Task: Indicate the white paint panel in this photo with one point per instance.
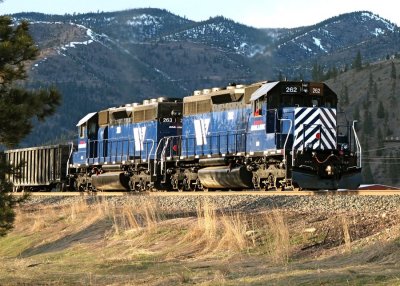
(139, 134)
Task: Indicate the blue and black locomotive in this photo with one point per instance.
(268, 135)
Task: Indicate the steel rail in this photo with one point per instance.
(220, 193)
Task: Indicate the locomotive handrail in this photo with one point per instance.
(359, 149)
(69, 158)
(214, 139)
(112, 142)
(294, 140)
(287, 135)
(163, 154)
(155, 155)
(151, 149)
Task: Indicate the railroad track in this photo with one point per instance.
(223, 193)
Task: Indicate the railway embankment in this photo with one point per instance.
(239, 202)
(222, 238)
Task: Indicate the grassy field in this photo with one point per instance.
(108, 244)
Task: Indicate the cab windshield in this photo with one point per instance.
(300, 101)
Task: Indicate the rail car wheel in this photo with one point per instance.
(270, 183)
(142, 185)
(137, 187)
(78, 187)
(197, 185)
(185, 187)
(131, 186)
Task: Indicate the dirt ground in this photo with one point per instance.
(116, 245)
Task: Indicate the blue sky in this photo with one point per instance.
(257, 13)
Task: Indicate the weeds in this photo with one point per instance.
(278, 240)
(346, 233)
(234, 236)
(133, 217)
(142, 242)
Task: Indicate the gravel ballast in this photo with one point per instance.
(190, 203)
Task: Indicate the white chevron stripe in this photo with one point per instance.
(323, 117)
(328, 118)
(331, 117)
(326, 134)
(330, 123)
(310, 114)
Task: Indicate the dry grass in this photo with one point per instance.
(109, 244)
(133, 217)
(216, 232)
(278, 239)
(234, 235)
(346, 233)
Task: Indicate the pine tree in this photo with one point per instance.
(317, 72)
(372, 86)
(356, 113)
(280, 76)
(393, 71)
(18, 106)
(345, 95)
(379, 151)
(381, 111)
(367, 174)
(367, 122)
(393, 169)
(375, 92)
(357, 63)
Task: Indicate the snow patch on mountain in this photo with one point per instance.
(220, 34)
(317, 42)
(145, 20)
(369, 16)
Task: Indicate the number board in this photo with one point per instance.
(291, 89)
(167, 120)
(316, 89)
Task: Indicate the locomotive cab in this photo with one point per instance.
(87, 132)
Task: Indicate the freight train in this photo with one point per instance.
(280, 135)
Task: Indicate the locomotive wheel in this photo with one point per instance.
(271, 183)
(142, 186)
(197, 185)
(185, 187)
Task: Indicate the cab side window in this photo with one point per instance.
(82, 130)
(257, 109)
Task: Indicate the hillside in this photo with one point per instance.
(372, 97)
(99, 60)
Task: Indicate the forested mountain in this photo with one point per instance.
(371, 95)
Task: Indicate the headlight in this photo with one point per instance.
(329, 170)
(345, 146)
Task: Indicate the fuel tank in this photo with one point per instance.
(225, 177)
(111, 181)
